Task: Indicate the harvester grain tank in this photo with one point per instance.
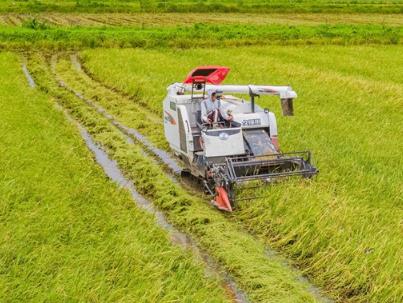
(223, 154)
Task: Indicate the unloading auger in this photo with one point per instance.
(224, 154)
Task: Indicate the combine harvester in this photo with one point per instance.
(225, 153)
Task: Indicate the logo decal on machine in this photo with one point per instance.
(223, 136)
(169, 118)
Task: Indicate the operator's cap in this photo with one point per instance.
(211, 91)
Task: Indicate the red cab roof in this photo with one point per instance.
(209, 74)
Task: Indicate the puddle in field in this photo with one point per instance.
(75, 62)
(30, 80)
(159, 153)
(112, 170)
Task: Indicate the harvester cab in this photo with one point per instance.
(224, 154)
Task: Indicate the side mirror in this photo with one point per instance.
(287, 107)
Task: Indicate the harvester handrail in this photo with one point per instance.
(283, 91)
(306, 153)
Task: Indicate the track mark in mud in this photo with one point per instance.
(85, 71)
(76, 63)
(112, 170)
(159, 153)
(30, 80)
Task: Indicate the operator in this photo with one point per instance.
(211, 110)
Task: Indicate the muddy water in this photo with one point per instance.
(30, 80)
(159, 153)
(76, 63)
(112, 170)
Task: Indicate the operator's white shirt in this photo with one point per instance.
(208, 106)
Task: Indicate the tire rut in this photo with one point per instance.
(87, 73)
(178, 238)
(125, 130)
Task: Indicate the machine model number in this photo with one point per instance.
(251, 122)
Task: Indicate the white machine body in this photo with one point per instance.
(235, 151)
(182, 120)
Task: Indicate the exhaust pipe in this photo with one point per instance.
(287, 107)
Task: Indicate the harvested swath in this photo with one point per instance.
(147, 19)
(13, 20)
(3, 20)
(222, 6)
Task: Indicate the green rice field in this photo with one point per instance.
(70, 233)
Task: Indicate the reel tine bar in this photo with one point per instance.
(248, 168)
